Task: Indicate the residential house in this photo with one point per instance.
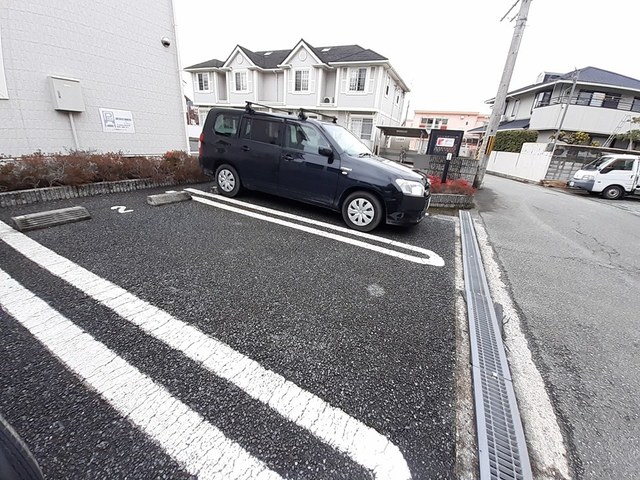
(602, 105)
(354, 84)
(80, 77)
(443, 120)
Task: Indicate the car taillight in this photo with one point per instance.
(201, 140)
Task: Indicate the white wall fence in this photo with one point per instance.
(531, 163)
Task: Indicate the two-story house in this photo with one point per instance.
(602, 105)
(354, 84)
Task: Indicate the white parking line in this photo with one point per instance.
(331, 425)
(187, 437)
(429, 257)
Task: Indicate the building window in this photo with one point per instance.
(301, 81)
(362, 127)
(358, 79)
(635, 106)
(202, 115)
(543, 99)
(241, 83)
(386, 90)
(435, 123)
(203, 83)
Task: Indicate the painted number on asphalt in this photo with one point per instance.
(121, 209)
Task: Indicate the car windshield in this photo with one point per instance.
(347, 141)
(596, 164)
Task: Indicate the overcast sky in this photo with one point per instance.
(451, 53)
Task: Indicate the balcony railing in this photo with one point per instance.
(606, 102)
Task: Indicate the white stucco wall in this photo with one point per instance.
(579, 118)
(531, 163)
(113, 48)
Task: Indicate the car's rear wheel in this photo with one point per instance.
(613, 192)
(227, 180)
(362, 211)
(16, 461)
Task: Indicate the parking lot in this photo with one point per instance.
(297, 349)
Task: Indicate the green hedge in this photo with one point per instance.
(512, 140)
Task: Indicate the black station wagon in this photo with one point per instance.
(311, 161)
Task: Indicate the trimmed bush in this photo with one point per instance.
(79, 168)
(512, 140)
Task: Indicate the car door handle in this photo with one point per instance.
(246, 148)
(287, 157)
(345, 170)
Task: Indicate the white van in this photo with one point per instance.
(612, 176)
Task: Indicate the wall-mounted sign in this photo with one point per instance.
(117, 120)
(445, 142)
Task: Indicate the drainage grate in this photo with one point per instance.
(50, 218)
(501, 443)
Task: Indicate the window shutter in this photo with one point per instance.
(343, 89)
(249, 81)
(312, 80)
(233, 81)
(292, 80)
(371, 79)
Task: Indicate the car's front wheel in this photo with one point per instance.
(362, 211)
(613, 192)
(227, 180)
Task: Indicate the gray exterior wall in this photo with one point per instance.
(113, 48)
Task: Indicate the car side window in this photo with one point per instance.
(304, 137)
(226, 124)
(263, 131)
(620, 164)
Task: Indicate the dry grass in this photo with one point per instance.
(554, 183)
(79, 168)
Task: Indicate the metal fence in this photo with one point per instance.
(460, 167)
(568, 159)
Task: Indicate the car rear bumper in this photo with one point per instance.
(407, 210)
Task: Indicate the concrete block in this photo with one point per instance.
(165, 198)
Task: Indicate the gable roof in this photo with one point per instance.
(330, 54)
(585, 75)
(604, 77)
(213, 63)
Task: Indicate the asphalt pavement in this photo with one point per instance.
(573, 267)
(366, 336)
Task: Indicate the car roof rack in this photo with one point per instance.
(302, 116)
(249, 108)
(301, 111)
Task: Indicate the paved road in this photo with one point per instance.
(355, 348)
(573, 265)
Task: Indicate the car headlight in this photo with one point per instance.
(410, 187)
(588, 177)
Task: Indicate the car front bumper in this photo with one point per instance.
(581, 184)
(407, 210)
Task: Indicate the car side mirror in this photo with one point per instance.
(327, 152)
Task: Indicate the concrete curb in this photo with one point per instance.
(38, 195)
(166, 198)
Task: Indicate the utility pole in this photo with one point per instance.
(499, 102)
